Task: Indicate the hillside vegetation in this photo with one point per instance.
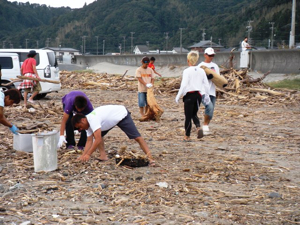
(156, 22)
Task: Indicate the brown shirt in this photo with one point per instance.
(146, 75)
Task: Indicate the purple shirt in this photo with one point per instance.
(68, 103)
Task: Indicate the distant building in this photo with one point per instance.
(202, 45)
(141, 49)
(63, 51)
(177, 50)
(64, 54)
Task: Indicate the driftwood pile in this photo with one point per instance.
(243, 88)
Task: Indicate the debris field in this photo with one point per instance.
(245, 172)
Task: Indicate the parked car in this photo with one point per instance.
(46, 66)
(9, 68)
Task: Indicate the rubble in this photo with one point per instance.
(245, 172)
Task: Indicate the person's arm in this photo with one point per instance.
(183, 84)
(141, 81)
(156, 72)
(35, 72)
(91, 146)
(63, 124)
(3, 120)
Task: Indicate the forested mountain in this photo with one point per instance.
(155, 22)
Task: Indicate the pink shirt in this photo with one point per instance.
(27, 65)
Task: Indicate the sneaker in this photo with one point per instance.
(31, 101)
(205, 129)
(70, 147)
(80, 147)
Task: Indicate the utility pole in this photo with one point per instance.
(83, 44)
(167, 37)
(97, 43)
(249, 27)
(210, 41)
(124, 40)
(47, 42)
(37, 44)
(103, 47)
(132, 33)
(26, 41)
(3, 45)
(272, 34)
(181, 39)
(292, 33)
(57, 39)
(220, 41)
(120, 47)
(203, 34)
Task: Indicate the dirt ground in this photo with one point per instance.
(245, 172)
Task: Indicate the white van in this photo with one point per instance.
(9, 68)
(46, 66)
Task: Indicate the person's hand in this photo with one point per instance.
(14, 129)
(61, 141)
(84, 158)
(149, 85)
(206, 99)
(177, 99)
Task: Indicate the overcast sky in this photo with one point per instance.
(58, 3)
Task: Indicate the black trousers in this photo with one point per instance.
(70, 134)
(192, 102)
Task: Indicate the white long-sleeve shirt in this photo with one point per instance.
(193, 79)
(215, 67)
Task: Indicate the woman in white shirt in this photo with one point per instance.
(194, 84)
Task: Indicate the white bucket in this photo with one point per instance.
(45, 150)
(22, 142)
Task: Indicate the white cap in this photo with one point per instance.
(209, 51)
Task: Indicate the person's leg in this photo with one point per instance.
(82, 139)
(70, 132)
(36, 89)
(208, 114)
(142, 101)
(188, 112)
(145, 148)
(25, 97)
(102, 156)
(128, 127)
(197, 102)
(33, 95)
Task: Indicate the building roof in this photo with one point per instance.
(205, 44)
(177, 49)
(142, 48)
(57, 49)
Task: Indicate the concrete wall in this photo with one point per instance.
(277, 61)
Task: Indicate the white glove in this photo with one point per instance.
(149, 85)
(206, 99)
(61, 141)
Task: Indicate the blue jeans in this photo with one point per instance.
(209, 109)
(142, 99)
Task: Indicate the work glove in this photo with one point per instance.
(61, 141)
(14, 129)
(149, 85)
(206, 99)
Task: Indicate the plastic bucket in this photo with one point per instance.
(45, 150)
